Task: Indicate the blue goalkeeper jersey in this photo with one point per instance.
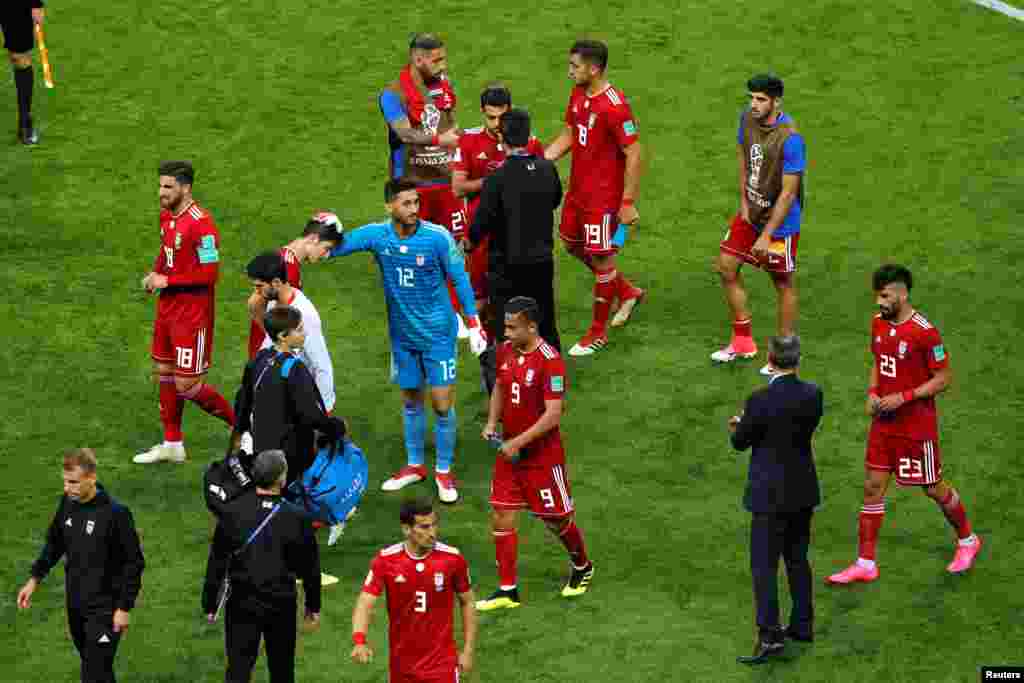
(415, 271)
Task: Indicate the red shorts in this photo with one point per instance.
(185, 344)
(593, 228)
(541, 486)
(452, 677)
(438, 205)
(914, 462)
(740, 238)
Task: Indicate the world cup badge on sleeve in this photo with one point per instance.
(438, 581)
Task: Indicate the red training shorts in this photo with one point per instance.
(541, 486)
(185, 344)
(739, 240)
(593, 228)
(452, 677)
(914, 462)
(439, 205)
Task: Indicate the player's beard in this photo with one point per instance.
(889, 314)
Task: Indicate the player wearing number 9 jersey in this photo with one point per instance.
(416, 259)
(911, 368)
(529, 471)
(421, 578)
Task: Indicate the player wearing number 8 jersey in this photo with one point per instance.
(416, 260)
(185, 276)
(529, 471)
(911, 368)
(422, 578)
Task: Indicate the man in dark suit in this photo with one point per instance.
(781, 493)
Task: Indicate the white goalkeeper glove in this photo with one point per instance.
(477, 336)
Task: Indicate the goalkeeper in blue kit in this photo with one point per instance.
(416, 260)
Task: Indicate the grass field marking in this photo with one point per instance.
(1002, 8)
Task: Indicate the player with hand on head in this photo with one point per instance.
(419, 109)
(416, 260)
(184, 276)
(911, 368)
(18, 19)
(607, 160)
(322, 233)
(765, 232)
(529, 471)
(422, 577)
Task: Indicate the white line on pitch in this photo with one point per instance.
(1002, 8)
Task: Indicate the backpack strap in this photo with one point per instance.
(287, 365)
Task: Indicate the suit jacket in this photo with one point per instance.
(778, 423)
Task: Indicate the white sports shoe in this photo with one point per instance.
(463, 330)
(447, 489)
(160, 452)
(729, 354)
(337, 531)
(245, 443)
(410, 474)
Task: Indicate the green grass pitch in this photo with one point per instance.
(911, 113)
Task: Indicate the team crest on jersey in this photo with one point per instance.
(67, 522)
(431, 119)
(399, 579)
(438, 581)
(902, 350)
(177, 241)
(89, 526)
(403, 249)
(420, 259)
(892, 333)
(529, 376)
(593, 120)
(521, 360)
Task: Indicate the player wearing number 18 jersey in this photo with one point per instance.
(911, 368)
(185, 276)
(422, 579)
(529, 471)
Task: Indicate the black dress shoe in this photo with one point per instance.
(763, 651)
(28, 136)
(798, 635)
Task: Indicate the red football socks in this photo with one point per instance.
(506, 551)
(171, 407)
(625, 289)
(742, 328)
(955, 514)
(572, 539)
(869, 524)
(604, 291)
(580, 253)
(210, 400)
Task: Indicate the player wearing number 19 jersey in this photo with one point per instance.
(529, 471)
(911, 368)
(422, 578)
(185, 275)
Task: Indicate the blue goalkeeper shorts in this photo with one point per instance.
(412, 368)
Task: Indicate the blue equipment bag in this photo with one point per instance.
(333, 484)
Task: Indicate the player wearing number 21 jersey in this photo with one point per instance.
(529, 471)
(422, 579)
(911, 368)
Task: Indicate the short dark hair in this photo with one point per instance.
(785, 351)
(496, 95)
(181, 170)
(80, 457)
(267, 467)
(327, 231)
(281, 320)
(266, 267)
(524, 305)
(425, 41)
(769, 84)
(890, 273)
(591, 51)
(515, 127)
(395, 187)
(413, 508)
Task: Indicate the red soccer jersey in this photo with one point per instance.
(602, 127)
(189, 257)
(906, 356)
(527, 380)
(421, 597)
(479, 155)
(292, 268)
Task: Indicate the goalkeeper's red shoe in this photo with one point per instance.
(964, 558)
(410, 474)
(853, 574)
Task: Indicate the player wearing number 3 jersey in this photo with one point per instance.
(416, 260)
(911, 368)
(422, 578)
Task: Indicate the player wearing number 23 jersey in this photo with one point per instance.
(911, 368)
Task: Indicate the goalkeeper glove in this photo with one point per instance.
(477, 336)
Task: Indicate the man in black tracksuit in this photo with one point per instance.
(517, 205)
(17, 22)
(262, 566)
(278, 402)
(103, 570)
